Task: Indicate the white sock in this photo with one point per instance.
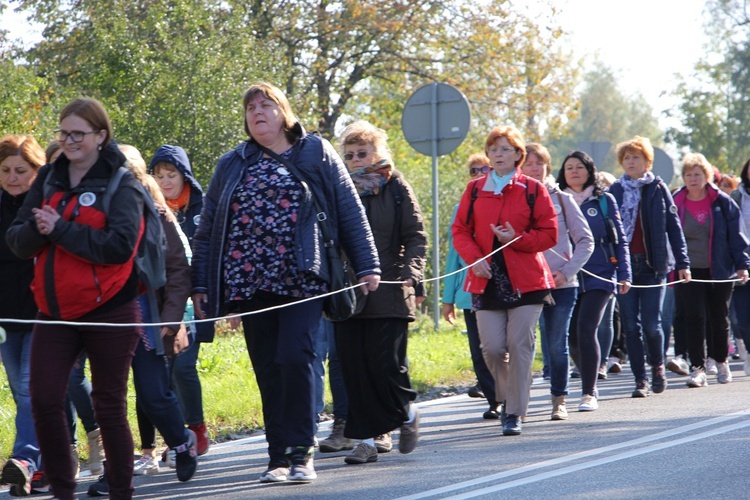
(412, 415)
(370, 441)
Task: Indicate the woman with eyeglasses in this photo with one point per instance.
(574, 246)
(372, 344)
(509, 288)
(79, 247)
(455, 296)
(259, 245)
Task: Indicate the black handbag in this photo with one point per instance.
(343, 305)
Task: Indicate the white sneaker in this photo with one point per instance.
(747, 366)
(724, 375)
(588, 403)
(742, 349)
(678, 365)
(697, 378)
(145, 466)
(613, 365)
(711, 368)
(169, 458)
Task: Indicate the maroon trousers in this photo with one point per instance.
(54, 349)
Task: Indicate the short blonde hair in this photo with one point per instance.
(514, 137)
(637, 144)
(605, 178)
(697, 160)
(362, 132)
(479, 158)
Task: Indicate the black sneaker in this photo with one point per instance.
(476, 392)
(101, 487)
(17, 473)
(186, 457)
(512, 426)
(658, 380)
(641, 389)
(303, 469)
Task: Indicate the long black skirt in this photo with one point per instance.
(373, 360)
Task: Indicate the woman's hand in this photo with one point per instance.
(234, 321)
(742, 275)
(371, 282)
(199, 299)
(684, 275)
(559, 278)
(45, 218)
(181, 340)
(482, 269)
(449, 313)
(504, 233)
(623, 287)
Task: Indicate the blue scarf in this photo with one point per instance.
(499, 181)
(631, 198)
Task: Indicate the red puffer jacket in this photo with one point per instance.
(473, 238)
(88, 258)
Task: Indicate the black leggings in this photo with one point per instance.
(584, 324)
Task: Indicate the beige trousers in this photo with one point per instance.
(507, 338)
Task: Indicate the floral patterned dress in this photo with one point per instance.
(259, 253)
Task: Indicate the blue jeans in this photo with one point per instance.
(154, 395)
(554, 326)
(187, 385)
(16, 353)
(319, 366)
(79, 396)
(640, 313)
(667, 313)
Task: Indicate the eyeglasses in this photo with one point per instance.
(478, 170)
(75, 135)
(505, 149)
(360, 154)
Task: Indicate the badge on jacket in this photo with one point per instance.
(87, 199)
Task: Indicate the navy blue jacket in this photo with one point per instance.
(728, 246)
(325, 176)
(661, 227)
(600, 262)
(179, 158)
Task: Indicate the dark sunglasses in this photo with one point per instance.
(478, 170)
(360, 154)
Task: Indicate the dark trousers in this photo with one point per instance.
(484, 376)
(678, 325)
(281, 348)
(54, 350)
(376, 373)
(155, 399)
(704, 308)
(587, 315)
(79, 400)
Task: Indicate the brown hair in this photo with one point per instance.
(93, 112)
(24, 146)
(637, 144)
(514, 137)
(52, 148)
(534, 148)
(166, 166)
(274, 94)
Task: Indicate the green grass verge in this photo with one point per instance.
(437, 360)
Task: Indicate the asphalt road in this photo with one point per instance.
(684, 443)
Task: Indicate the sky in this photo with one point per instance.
(644, 41)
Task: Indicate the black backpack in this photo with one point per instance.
(149, 261)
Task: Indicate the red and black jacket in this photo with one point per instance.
(86, 262)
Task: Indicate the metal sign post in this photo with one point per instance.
(435, 122)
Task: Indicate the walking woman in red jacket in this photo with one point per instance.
(510, 288)
(84, 272)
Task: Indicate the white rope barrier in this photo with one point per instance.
(328, 294)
